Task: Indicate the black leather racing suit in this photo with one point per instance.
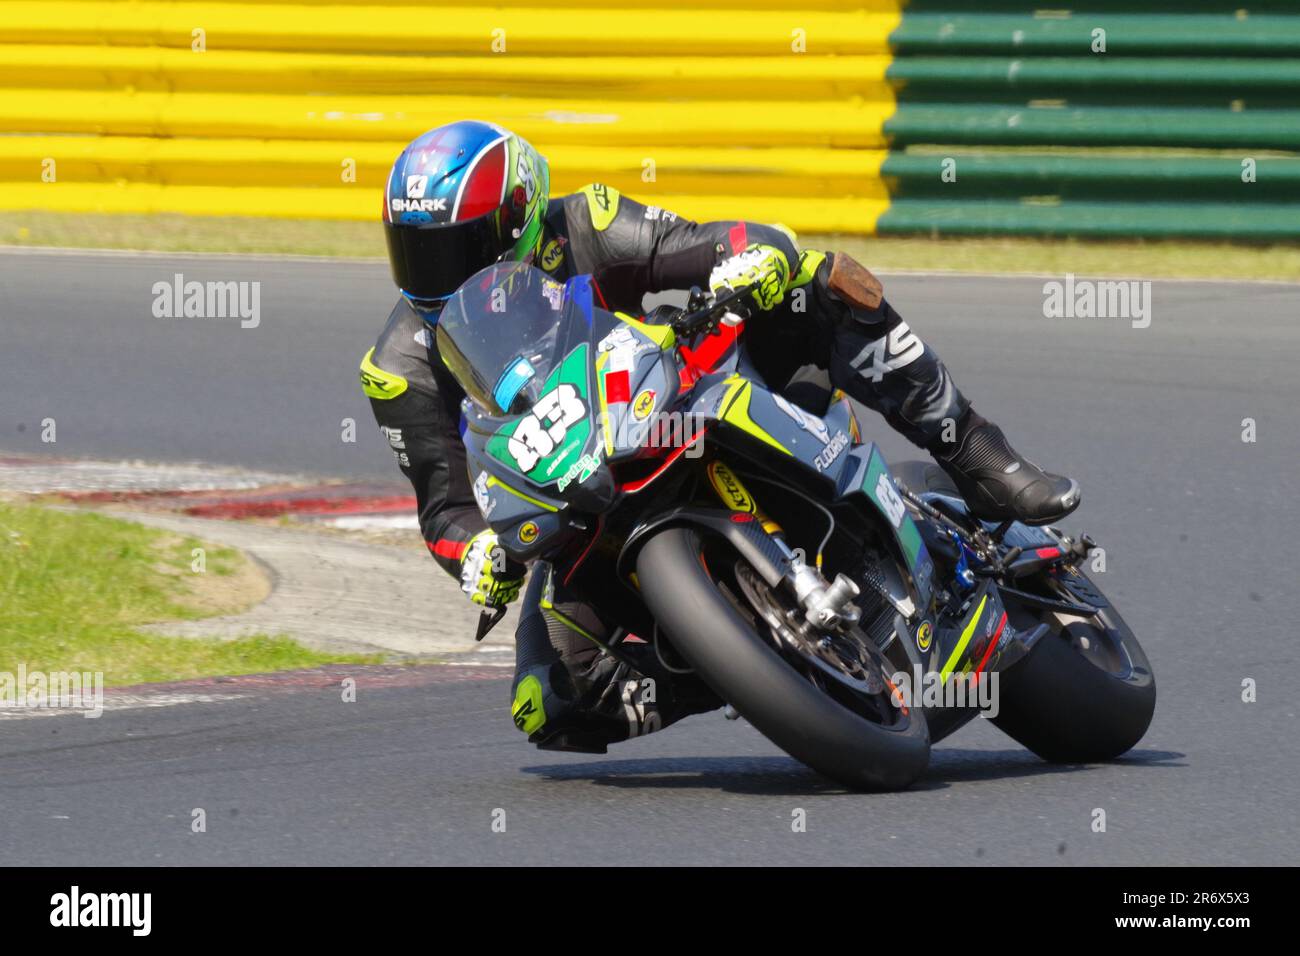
(833, 316)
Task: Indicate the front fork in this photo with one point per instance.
(827, 605)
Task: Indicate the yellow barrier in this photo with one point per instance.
(328, 164)
(701, 78)
(850, 215)
(298, 110)
(389, 118)
(555, 31)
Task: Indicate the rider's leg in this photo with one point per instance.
(568, 694)
(879, 361)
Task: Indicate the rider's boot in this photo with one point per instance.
(569, 695)
(998, 482)
(881, 362)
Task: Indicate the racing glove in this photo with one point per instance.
(762, 268)
(487, 574)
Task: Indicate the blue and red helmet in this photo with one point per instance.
(459, 198)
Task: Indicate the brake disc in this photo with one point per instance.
(844, 658)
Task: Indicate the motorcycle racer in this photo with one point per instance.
(468, 194)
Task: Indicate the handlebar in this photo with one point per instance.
(704, 310)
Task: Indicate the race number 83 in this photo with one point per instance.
(542, 429)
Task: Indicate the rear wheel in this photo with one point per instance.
(1086, 691)
(828, 703)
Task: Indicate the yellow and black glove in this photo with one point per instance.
(762, 268)
(487, 574)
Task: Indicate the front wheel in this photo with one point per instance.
(840, 720)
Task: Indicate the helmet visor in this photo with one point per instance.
(432, 263)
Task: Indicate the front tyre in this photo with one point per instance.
(742, 667)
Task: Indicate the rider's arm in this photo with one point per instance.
(420, 417)
(633, 249)
(425, 441)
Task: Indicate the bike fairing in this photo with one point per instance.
(978, 638)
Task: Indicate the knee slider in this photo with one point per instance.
(852, 283)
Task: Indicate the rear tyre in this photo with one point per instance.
(741, 666)
(1085, 692)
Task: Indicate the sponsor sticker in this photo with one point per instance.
(644, 405)
(528, 532)
(552, 255)
(580, 470)
(419, 205)
(924, 636)
(805, 420)
(729, 488)
(826, 457)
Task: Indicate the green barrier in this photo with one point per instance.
(1095, 220)
(1097, 126)
(1016, 76)
(1125, 34)
(1098, 80)
(965, 176)
(1249, 8)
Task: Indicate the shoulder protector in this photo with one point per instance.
(602, 203)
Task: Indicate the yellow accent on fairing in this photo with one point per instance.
(550, 609)
(661, 335)
(960, 649)
(734, 410)
(604, 403)
(602, 203)
(495, 482)
(377, 383)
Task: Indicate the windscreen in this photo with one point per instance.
(503, 332)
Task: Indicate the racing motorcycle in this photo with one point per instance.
(735, 544)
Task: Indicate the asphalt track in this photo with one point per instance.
(1199, 529)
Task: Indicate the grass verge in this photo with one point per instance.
(1156, 259)
(74, 587)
